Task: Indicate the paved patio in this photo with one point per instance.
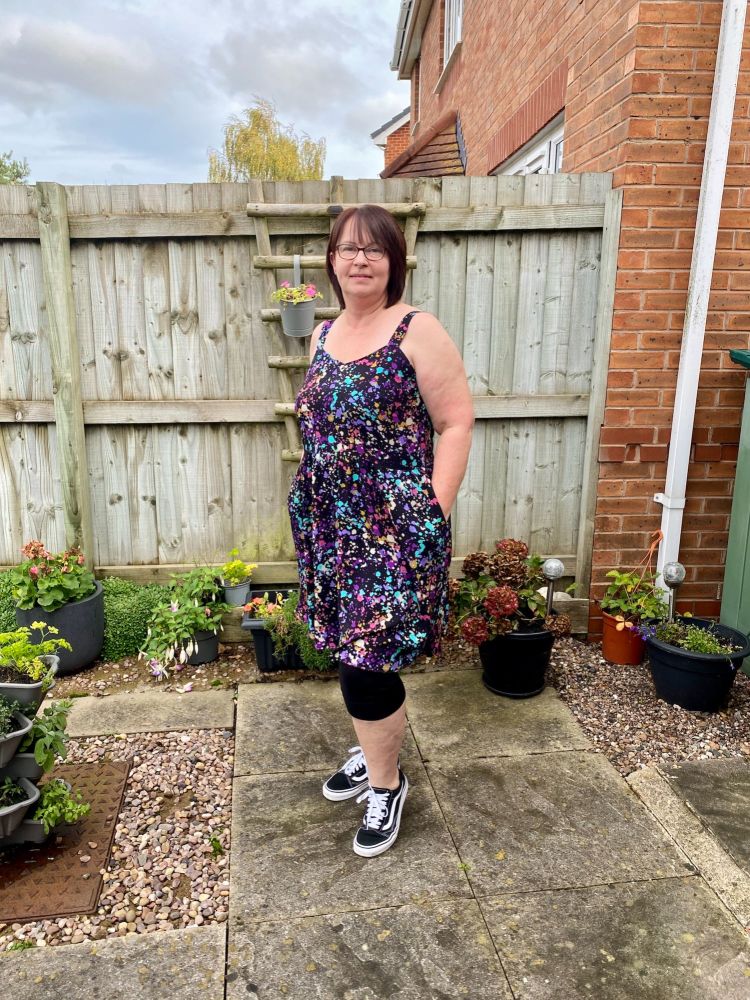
(526, 866)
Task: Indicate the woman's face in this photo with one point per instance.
(360, 279)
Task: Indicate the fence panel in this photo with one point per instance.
(184, 435)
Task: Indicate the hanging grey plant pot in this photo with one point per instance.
(298, 318)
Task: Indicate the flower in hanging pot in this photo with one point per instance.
(297, 305)
(296, 294)
(499, 594)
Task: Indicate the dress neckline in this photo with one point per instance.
(392, 341)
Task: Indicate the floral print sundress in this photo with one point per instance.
(373, 546)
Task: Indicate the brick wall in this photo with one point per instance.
(396, 143)
(656, 155)
(637, 99)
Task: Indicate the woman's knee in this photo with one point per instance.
(371, 695)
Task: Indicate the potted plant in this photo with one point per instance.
(497, 607)
(297, 305)
(58, 803)
(184, 629)
(17, 796)
(235, 579)
(61, 591)
(282, 641)
(45, 741)
(28, 665)
(631, 598)
(13, 727)
(694, 661)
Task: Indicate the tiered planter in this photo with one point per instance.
(17, 825)
(30, 696)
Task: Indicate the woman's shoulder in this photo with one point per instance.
(426, 338)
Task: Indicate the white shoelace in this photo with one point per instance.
(356, 762)
(377, 808)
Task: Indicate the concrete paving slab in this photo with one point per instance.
(718, 791)
(664, 940)
(153, 712)
(549, 821)
(730, 882)
(186, 964)
(432, 951)
(453, 714)
(295, 727)
(292, 851)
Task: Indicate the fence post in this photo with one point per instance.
(54, 238)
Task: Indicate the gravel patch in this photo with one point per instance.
(618, 709)
(164, 871)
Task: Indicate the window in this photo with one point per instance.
(453, 14)
(543, 154)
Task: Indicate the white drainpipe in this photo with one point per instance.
(704, 246)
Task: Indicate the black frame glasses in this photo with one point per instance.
(372, 252)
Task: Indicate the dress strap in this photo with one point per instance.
(401, 330)
(327, 324)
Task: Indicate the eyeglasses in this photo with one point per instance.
(349, 251)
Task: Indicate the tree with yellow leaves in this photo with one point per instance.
(258, 146)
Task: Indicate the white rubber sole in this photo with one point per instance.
(371, 852)
(341, 796)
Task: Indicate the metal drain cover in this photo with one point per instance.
(41, 881)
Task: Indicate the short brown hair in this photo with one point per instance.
(379, 226)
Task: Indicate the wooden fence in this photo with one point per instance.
(145, 392)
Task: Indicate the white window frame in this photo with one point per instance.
(453, 22)
(542, 154)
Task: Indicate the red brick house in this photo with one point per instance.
(623, 87)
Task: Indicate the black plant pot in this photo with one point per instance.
(515, 663)
(80, 622)
(206, 648)
(698, 682)
(268, 662)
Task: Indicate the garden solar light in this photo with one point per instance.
(673, 575)
(552, 569)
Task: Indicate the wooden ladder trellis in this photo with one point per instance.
(268, 263)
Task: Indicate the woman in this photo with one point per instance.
(370, 503)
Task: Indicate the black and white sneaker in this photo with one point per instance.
(382, 818)
(349, 780)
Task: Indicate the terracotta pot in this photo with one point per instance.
(624, 647)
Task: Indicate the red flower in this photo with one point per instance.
(475, 630)
(501, 601)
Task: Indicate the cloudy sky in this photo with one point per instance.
(135, 91)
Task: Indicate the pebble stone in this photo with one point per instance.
(162, 871)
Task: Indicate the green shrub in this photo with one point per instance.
(127, 609)
(7, 604)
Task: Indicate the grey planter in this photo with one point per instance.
(80, 622)
(29, 831)
(29, 695)
(298, 318)
(207, 648)
(9, 744)
(22, 765)
(12, 816)
(236, 594)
